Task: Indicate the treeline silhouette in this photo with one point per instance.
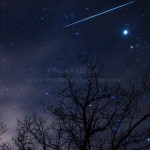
(90, 116)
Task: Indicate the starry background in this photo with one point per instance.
(35, 47)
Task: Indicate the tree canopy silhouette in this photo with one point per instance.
(91, 115)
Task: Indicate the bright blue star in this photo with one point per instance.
(148, 139)
(125, 32)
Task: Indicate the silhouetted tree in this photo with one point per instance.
(24, 140)
(2, 129)
(3, 145)
(42, 132)
(92, 115)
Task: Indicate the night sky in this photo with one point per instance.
(35, 48)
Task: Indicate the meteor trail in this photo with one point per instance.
(104, 12)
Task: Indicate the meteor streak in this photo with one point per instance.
(104, 12)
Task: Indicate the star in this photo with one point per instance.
(148, 139)
(113, 97)
(77, 33)
(131, 48)
(125, 32)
